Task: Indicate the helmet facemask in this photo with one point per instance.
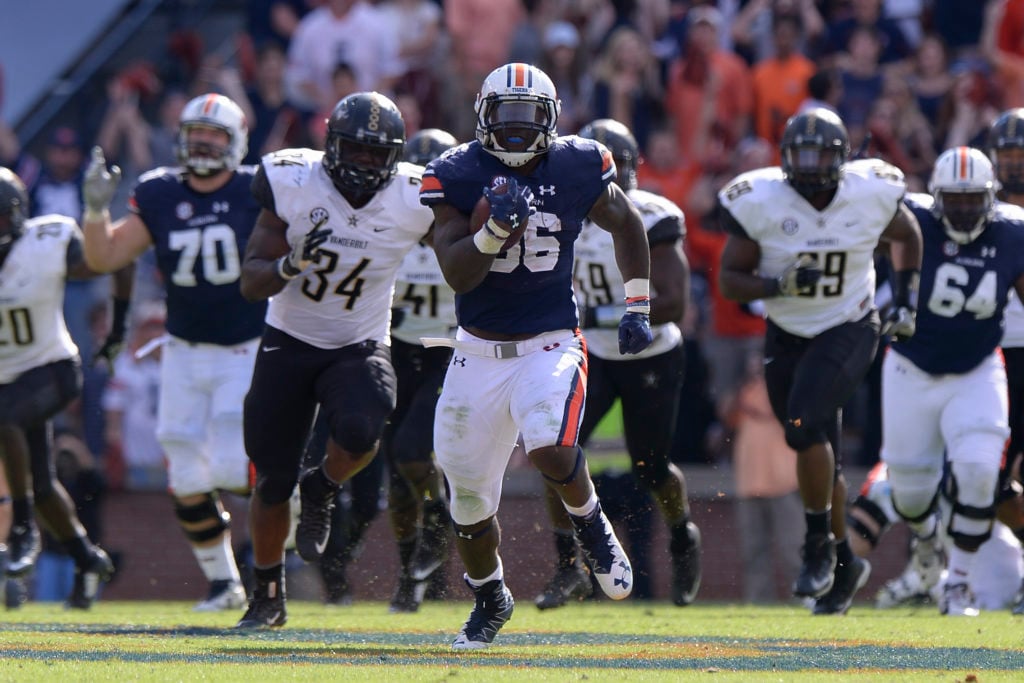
(203, 157)
(516, 114)
(359, 167)
(811, 167)
(964, 213)
(211, 154)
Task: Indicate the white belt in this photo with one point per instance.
(496, 349)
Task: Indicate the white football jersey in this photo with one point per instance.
(597, 280)
(32, 328)
(345, 297)
(425, 297)
(841, 238)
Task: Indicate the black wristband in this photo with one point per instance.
(119, 322)
(905, 285)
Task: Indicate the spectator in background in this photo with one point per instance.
(897, 120)
(862, 81)
(626, 85)
(664, 171)
(768, 506)
(968, 108)
(343, 83)
(960, 24)
(566, 64)
(274, 123)
(418, 27)
(163, 137)
(275, 21)
(1003, 46)
(754, 27)
(480, 35)
(131, 403)
(736, 333)
(780, 82)
(341, 31)
(867, 14)
(929, 77)
(705, 72)
(824, 90)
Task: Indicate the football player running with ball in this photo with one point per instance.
(519, 363)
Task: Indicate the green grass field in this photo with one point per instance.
(598, 641)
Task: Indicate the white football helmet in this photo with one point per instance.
(213, 111)
(964, 186)
(516, 113)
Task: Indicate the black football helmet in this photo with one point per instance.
(13, 209)
(621, 143)
(427, 145)
(1006, 147)
(814, 147)
(365, 139)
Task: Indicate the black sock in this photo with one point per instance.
(80, 549)
(679, 536)
(844, 554)
(818, 523)
(21, 511)
(269, 580)
(405, 550)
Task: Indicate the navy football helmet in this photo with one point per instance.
(13, 209)
(1006, 145)
(427, 145)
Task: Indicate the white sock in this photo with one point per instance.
(960, 564)
(584, 509)
(218, 561)
(493, 576)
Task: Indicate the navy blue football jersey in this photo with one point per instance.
(529, 288)
(964, 290)
(200, 240)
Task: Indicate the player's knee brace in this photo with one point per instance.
(971, 488)
(572, 475)
(356, 433)
(868, 519)
(204, 511)
(275, 488)
(802, 433)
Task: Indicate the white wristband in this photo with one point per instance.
(638, 287)
(486, 242)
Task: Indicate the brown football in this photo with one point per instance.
(482, 211)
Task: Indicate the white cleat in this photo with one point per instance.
(223, 596)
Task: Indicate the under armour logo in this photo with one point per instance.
(461, 362)
(988, 252)
(513, 219)
(546, 189)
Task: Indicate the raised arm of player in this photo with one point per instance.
(108, 247)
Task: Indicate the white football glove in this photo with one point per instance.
(99, 184)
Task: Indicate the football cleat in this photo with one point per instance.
(848, 580)
(604, 554)
(569, 583)
(23, 546)
(494, 605)
(957, 600)
(817, 572)
(686, 571)
(15, 592)
(317, 495)
(408, 595)
(224, 594)
(266, 608)
(100, 569)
